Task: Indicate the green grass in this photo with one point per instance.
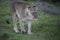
(47, 27)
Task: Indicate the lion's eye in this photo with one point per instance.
(34, 6)
(29, 7)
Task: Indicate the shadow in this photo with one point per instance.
(4, 36)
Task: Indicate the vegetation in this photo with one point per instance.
(47, 27)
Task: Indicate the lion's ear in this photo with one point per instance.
(32, 3)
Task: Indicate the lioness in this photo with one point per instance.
(23, 12)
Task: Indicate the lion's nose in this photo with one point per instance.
(35, 14)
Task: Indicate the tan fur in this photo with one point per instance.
(21, 12)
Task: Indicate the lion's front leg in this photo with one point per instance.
(15, 23)
(22, 26)
(29, 27)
